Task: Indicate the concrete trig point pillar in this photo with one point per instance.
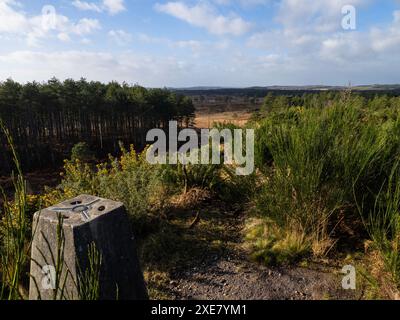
(87, 220)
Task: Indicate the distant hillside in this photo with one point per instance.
(393, 89)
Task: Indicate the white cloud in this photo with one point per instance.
(299, 16)
(376, 44)
(396, 16)
(111, 6)
(86, 6)
(86, 41)
(345, 48)
(243, 3)
(205, 16)
(86, 26)
(312, 29)
(232, 67)
(317, 50)
(15, 22)
(120, 37)
(26, 66)
(11, 20)
(64, 37)
(199, 49)
(192, 44)
(114, 6)
(307, 46)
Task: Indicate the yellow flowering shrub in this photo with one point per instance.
(128, 178)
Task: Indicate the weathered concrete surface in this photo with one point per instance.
(108, 228)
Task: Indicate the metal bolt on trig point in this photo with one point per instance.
(83, 209)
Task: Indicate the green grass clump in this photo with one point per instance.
(272, 245)
(318, 163)
(383, 224)
(15, 229)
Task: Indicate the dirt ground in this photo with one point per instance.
(206, 116)
(234, 277)
(208, 262)
(206, 120)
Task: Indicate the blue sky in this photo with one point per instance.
(186, 43)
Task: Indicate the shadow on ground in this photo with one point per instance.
(206, 261)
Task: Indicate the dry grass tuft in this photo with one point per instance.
(386, 286)
(191, 199)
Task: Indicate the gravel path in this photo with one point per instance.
(234, 278)
(204, 273)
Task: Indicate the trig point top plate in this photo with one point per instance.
(79, 210)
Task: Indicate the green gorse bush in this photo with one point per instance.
(319, 162)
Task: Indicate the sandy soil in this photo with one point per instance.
(206, 120)
(207, 115)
